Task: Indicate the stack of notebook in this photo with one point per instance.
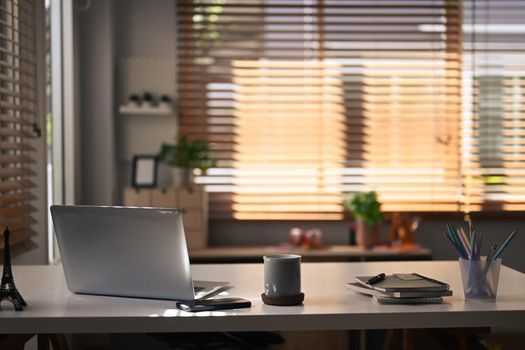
(408, 288)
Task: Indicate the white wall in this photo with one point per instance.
(145, 28)
(96, 62)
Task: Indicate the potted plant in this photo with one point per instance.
(185, 156)
(366, 209)
(135, 100)
(149, 99)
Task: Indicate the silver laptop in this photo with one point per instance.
(123, 251)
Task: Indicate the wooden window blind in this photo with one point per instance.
(494, 107)
(306, 101)
(18, 116)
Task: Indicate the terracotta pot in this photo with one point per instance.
(367, 237)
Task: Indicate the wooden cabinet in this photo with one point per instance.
(194, 205)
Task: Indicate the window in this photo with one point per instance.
(494, 105)
(306, 101)
(20, 89)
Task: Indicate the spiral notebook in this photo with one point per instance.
(408, 301)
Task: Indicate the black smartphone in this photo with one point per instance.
(213, 304)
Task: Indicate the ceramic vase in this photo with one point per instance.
(366, 236)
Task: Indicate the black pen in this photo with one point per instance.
(376, 279)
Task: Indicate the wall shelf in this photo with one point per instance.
(150, 110)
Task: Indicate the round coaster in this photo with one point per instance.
(283, 301)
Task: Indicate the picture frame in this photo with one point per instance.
(144, 174)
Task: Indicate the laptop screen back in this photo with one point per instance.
(135, 252)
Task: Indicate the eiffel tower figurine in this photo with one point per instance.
(8, 289)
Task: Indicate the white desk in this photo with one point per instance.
(328, 304)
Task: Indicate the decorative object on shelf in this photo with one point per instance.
(403, 228)
(366, 209)
(8, 289)
(149, 99)
(307, 239)
(135, 100)
(352, 234)
(295, 236)
(165, 102)
(165, 99)
(184, 157)
(314, 238)
(144, 171)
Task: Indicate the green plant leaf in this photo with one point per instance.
(365, 207)
(193, 155)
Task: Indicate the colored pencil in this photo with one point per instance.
(454, 244)
(505, 244)
(472, 255)
(468, 245)
(465, 236)
(478, 249)
(455, 238)
(463, 241)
